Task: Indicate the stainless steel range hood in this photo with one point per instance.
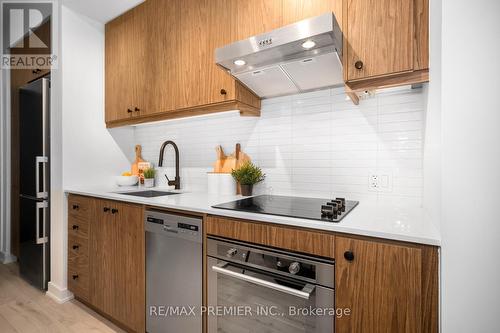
(300, 57)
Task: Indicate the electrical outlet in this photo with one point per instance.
(373, 180)
(380, 181)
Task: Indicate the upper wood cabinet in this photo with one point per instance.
(162, 47)
(380, 37)
(160, 55)
(125, 65)
(260, 16)
(160, 62)
(421, 33)
(296, 10)
(254, 17)
(205, 25)
(388, 287)
(384, 38)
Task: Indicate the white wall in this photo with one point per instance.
(432, 141)
(89, 154)
(313, 144)
(57, 219)
(470, 166)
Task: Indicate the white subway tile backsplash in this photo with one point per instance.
(313, 144)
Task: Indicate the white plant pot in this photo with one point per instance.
(149, 182)
(221, 184)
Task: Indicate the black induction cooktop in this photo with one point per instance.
(328, 210)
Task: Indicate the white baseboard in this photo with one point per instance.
(58, 294)
(7, 258)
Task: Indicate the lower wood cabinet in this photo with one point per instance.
(78, 245)
(387, 287)
(293, 239)
(111, 274)
(381, 286)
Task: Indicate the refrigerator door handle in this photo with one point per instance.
(41, 205)
(39, 160)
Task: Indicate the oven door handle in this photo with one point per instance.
(305, 293)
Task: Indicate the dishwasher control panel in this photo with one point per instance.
(182, 226)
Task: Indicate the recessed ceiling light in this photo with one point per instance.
(239, 62)
(308, 44)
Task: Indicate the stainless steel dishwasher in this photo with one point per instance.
(173, 272)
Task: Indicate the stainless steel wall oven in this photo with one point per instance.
(257, 289)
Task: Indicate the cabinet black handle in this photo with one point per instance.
(349, 256)
(223, 92)
(114, 211)
(129, 111)
(36, 71)
(358, 64)
(106, 209)
(75, 276)
(76, 247)
(75, 227)
(76, 207)
(136, 109)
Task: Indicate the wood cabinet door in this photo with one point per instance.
(125, 65)
(296, 10)
(205, 25)
(421, 27)
(137, 49)
(117, 262)
(102, 257)
(381, 286)
(163, 55)
(379, 37)
(295, 239)
(254, 17)
(118, 94)
(129, 266)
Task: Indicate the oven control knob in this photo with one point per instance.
(231, 253)
(294, 267)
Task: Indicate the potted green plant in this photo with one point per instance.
(247, 175)
(149, 177)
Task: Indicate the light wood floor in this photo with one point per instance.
(24, 309)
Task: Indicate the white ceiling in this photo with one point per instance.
(101, 10)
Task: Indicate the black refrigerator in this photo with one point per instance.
(34, 171)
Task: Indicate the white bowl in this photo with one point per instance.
(126, 180)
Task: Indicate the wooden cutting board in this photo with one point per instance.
(226, 164)
(221, 158)
(238, 158)
(138, 159)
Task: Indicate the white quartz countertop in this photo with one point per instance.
(403, 223)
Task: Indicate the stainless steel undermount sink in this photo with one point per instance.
(148, 193)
